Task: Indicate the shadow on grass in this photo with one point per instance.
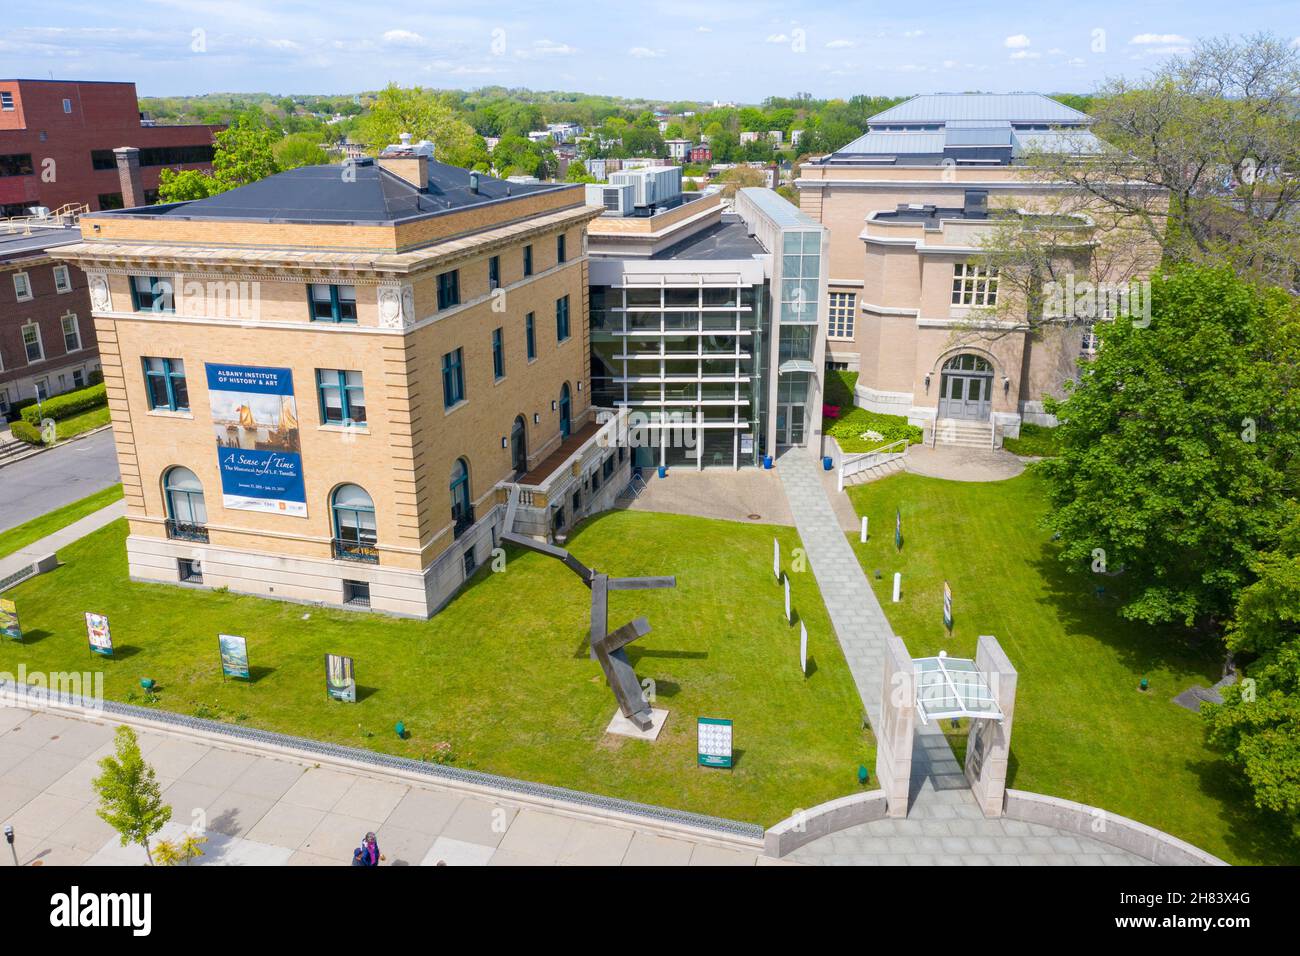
(365, 693)
(122, 652)
(34, 637)
(1140, 647)
(1254, 834)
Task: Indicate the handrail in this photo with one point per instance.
(869, 459)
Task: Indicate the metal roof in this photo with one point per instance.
(1077, 141)
(1013, 107)
(28, 242)
(784, 214)
(895, 143)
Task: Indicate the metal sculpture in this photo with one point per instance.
(607, 647)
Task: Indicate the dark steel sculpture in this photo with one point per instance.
(607, 647)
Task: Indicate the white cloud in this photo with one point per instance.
(1025, 55)
(1017, 42)
(403, 38)
(704, 29)
(546, 48)
(1164, 39)
(913, 33)
(645, 53)
(840, 44)
(777, 38)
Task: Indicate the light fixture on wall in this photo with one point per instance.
(1006, 385)
(537, 419)
(927, 382)
(505, 442)
(580, 386)
(554, 405)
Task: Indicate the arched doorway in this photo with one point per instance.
(518, 446)
(462, 508)
(564, 412)
(966, 388)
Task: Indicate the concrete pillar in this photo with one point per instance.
(897, 724)
(989, 742)
(128, 173)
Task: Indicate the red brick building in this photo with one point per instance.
(57, 139)
(47, 335)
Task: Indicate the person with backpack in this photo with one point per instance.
(370, 854)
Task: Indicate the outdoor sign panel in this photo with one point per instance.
(9, 620)
(776, 558)
(803, 649)
(714, 739)
(340, 682)
(234, 656)
(787, 600)
(898, 529)
(101, 640)
(255, 423)
(947, 606)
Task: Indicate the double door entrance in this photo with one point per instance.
(966, 388)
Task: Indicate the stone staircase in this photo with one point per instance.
(963, 434)
(876, 472)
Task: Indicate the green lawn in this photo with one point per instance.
(1034, 440)
(503, 674)
(82, 422)
(22, 535)
(1082, 729)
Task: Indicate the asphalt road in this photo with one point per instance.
(55, 478)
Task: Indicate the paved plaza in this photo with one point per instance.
(272, 810)
(714, 493)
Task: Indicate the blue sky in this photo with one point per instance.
(736, 50)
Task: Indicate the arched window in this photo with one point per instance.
(187, 515)
(565, 427)
(355, 534)
(967, 362)
(462, 510)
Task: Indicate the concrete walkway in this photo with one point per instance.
(287, 808)
(51, 543)
(944, 825)
(751, 495)
(963, 464)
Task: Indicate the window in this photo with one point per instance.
(32, 343)
(494, 273)
(189, 571)
(157, 156)
(67, 105)
(561, 254)
(448, 289)
(164, 383)
(22, 286)
(607, 469)
(16, 164)
(356, 593)
(6, 101)
(471, 563)
(974, 285)
(151, 294)
(530, 335)
(62, 280)
(528, 260)
(800, 274)
(843, 305)
(453, 379)
(4, 401)
(110, 200)
(187, 514)
(342, 397)
(333, 303)
(1088, 345)
(498, 355)
(562, 319)
(71, 333)
(462, 508)
(355, 534)
(78, 378)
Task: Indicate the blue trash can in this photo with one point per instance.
(767, 461)
(827, 465)
(663, 471)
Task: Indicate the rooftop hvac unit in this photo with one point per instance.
(617, 199)
(652, 184)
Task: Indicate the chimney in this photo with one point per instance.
(128, 174)
(410, 162)
(977, 204)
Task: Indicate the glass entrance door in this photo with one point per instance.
(789, 424)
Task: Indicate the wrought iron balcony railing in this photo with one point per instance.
(186, 532)
(364, 551)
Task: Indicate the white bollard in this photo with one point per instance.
(787, 599)
(898, 585)
(863, 536)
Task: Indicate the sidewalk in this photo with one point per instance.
(51, 543)
(281, 808)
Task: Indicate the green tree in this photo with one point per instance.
(184, 185)
(130, 798)
(243, 152)
(299, 149)
(1178, 446)
(423, 115)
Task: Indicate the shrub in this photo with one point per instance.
(839, 387)
(851, 426)
(25, 432)
(1034, 440)
(67, 404)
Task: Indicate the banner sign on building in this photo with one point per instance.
(9, 620)
(255, 420)
(101, 640)
(714, 742)
(234, 656)
(340, 682)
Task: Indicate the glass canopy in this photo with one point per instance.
(952, 687)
